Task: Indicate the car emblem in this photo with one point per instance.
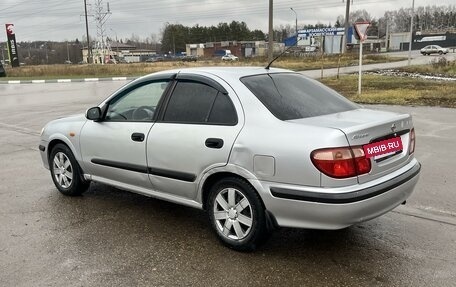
(393, 128)
(360, 136)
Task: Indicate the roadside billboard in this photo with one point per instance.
(12, 46)
(310, 37)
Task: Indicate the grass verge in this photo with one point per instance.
(138, 69)
(395, 90)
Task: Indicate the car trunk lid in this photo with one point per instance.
(364, 126)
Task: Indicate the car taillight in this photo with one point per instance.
(341, 162)
(412, 141)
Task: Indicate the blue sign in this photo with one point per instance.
(303, 34)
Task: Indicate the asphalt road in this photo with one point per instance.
(416, 59)
(110, 237)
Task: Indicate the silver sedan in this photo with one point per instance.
(433, 49)
(256, 148)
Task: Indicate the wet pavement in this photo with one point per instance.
(109, 237)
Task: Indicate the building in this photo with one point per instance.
(118, 52)
(241, 49)
(400, 41)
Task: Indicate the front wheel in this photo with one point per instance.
(237, 215)
(440, 52)
(65, 171)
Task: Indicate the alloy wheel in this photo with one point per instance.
(63, 170)
(233, 214)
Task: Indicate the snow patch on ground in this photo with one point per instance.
(396, 73)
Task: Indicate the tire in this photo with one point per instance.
(440, 52)
(237, 214)
(65, 171)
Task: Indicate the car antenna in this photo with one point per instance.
(280, 55)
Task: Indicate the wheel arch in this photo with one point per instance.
(212, 179)
(56, 140)
(61, 140)
(215, 175)
(270, 222)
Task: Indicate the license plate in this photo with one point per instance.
(383, 148)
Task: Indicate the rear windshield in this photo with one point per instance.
(290, 96)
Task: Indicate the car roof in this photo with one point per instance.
(231, 72)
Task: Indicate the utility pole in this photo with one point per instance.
(174, 42)
(387, 33)
(411, 33)
(296, 14)
(89, 49)
(68, 53)
(271, 33)
(347, 25)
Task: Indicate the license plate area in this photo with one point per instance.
(383, 149)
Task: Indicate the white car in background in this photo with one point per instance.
(434, 49)
(230, 57)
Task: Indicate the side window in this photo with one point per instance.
(193, 102)
(223, 111)
(138, 104)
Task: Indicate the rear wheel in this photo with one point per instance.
(237, 214)
(66, 172)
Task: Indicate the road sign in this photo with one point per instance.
(361, 30)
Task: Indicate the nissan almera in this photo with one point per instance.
(255, 148)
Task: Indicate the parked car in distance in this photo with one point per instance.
(434, 49)
(2, 71)
(189, 58)
(230, 57)
(155, 59)
(256, 148)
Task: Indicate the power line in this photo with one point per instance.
(208, 11)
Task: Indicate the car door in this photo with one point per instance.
(114, 149)
(194, 134)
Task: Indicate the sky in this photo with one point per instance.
(62, 20)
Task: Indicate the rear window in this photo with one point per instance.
(291, 96)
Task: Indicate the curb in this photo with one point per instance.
(54, 81)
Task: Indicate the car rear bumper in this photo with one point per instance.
(335, 208)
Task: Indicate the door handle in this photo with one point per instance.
(137, 137)
(214, 143)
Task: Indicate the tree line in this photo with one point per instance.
(176, 36)
(428, 18)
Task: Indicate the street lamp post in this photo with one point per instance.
(89, 49)
(411, 33)
(296, 14)
(270, 32)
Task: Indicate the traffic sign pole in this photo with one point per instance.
(360, 65)
(361, 30)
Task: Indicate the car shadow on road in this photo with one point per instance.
(135, 213)
(127, 228)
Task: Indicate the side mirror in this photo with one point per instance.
(94, 114)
